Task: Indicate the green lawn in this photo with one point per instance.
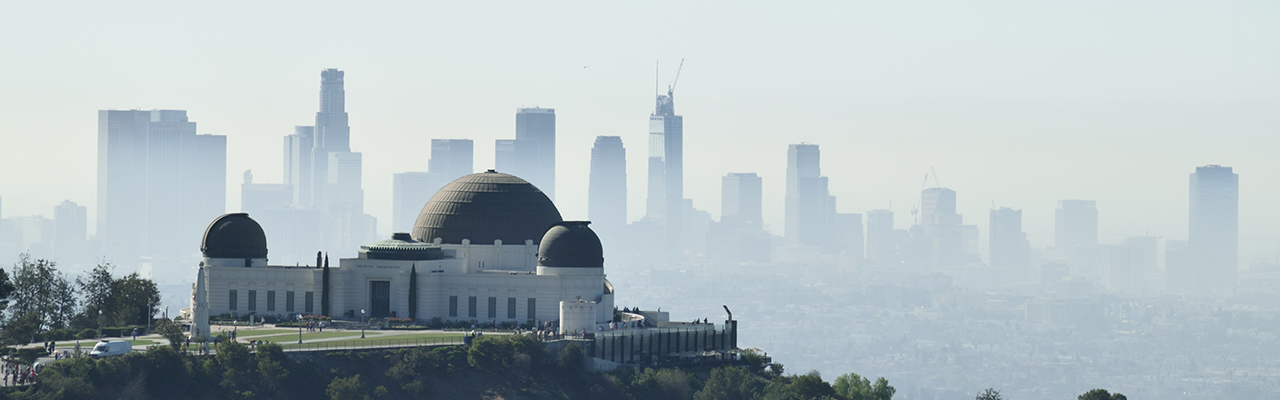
(424, 336)
(87, 344)
(263, 332)
(382, 341)
(312, 336)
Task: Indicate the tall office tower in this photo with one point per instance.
(807, 202)
(331, 135)
(256, 198)
(1213, 234)
(847, 236)
(740, 200)
(450, 159)
(71, 231)
(409, 192)
(298, 149)
(1146, 246)
(666, 169)
(345, 192)
(938, 207)
(538, 126)
(1179, 268)
(882, 248)
(515, 157)
(1075, 224)
(158, 181)
(607, 186)
(1009, 248)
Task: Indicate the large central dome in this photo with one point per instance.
(485, 207)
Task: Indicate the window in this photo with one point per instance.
(453, 306)
(511, 308)
(310, 300)
(271, 300)
(533, 309)
(253, 300)
(231, 302)
(471, 306)
(288, 301)
(493, 307)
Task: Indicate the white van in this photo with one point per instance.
(107, 348)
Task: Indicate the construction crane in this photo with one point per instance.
(672, 89)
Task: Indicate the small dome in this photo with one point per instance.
(485, 207)
(234, 235)
(571, 244)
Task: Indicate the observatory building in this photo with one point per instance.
(488, 247)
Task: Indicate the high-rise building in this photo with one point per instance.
(409, 192)
(607, 186)
(665, 201)
(538, 126)
(1075, 224)
(740, 200)
(71, 231)
(808, 202)
(1009, 248)
(514, 156)
(882, 248)
(331, 135)
(255, 198)
(1213, 234)
(847, 234)
(157, 182)
(298, 149)
(450, 159)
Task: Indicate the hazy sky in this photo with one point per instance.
(1017, 103)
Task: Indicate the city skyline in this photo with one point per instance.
(971, 146)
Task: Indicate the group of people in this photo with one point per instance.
(315, 326)
(19, 374)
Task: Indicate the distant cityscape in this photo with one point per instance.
(160, 182)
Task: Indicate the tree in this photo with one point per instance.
(346, 389)
(172, 332)
(134, 299)
(811, 386)
(40, 289)
(856, 387)
(6, 290)
(1101, 394)
(413, 292)
(324, 282)
(95, 289)
(731, 383)
(989, 394)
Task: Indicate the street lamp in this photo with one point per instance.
(362, 322)
(99, 324)
(299, 328)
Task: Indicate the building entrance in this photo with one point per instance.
(380, 299)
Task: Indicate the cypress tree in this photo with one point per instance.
(324, 289)
(413, 292)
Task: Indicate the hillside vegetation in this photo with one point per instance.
(493, 367)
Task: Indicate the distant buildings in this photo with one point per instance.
(256, 198)
(157, 181)
(739, 236)
(941, 240)
(808, 203)
(1214, 229)
(1076, 238)
(607, 186)
(1009, 248)
(882, 244)
(532, 154)
(71, 231)
(326, 179)
(665, 203)
(450, 159)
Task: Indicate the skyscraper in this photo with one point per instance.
(1075, 224)
(740, 200)
(255, 198)
(409, 192)
(298, 149)
(450, 159)
(607, 186)
(882, 248)
(665, 202)
(538, 126)
(807, 203)
(70, 231)
(1214, 227)
(1008, 246)
(158, 181)
(331, 135)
